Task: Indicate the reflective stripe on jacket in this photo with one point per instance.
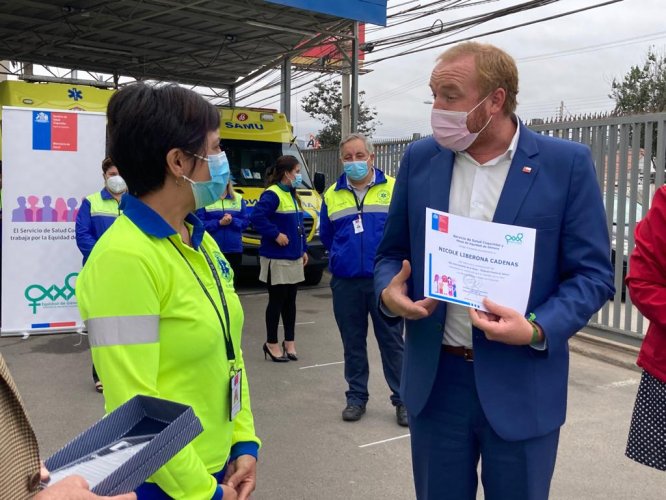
(352, 253)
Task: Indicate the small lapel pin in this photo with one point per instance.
(527, 170)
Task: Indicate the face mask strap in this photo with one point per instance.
(479, 104)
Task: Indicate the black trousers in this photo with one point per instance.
(281, 302)
(235, 260)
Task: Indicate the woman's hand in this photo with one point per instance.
(305, 259)
(229, 493)
(226, 220)
(282, 240)
(76, 488)
(241, 475)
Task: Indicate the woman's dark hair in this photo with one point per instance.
(282, 165)
(107, 164)
(146, 122)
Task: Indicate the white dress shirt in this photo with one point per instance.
(475, 191)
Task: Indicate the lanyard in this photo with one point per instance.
(226, 329)
(359, 204)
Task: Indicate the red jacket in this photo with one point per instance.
(647, 284)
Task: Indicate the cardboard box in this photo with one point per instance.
(123, 449)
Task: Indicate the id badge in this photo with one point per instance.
(235, 394)
(358, 225)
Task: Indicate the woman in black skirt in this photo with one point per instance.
(646, 282)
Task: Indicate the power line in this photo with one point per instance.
(594, 48)
(509, 28)
(440, 28)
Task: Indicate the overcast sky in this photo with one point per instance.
(573, 59)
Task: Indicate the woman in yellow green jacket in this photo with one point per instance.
(157, 294)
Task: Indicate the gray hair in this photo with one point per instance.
(351, 137)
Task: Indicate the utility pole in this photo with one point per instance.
(285, 94)
(561, 111)
(346, 106)
(350, 103)
(354, 80)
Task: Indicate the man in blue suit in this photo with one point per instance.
(491, 385)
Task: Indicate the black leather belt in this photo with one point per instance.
(461, 351)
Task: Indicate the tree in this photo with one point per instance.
(324, 103)
(643, 88)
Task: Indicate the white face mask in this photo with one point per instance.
(450, 128)
(116, 184)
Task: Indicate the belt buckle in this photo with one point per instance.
(468, 354)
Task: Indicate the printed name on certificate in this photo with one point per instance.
(469, 259)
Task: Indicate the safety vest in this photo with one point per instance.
(154, 331)
(226, 205)
(98, 211)
(230, 237)
(276, 212)
(103, 207)
(352, 228)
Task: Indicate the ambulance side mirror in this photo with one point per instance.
(319, 182)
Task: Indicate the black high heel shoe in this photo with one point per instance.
(275, 359)
(290, 355)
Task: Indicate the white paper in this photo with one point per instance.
(99, 465)
(469, 259)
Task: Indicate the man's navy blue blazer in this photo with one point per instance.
(523, 391)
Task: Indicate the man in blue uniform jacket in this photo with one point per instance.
(491, 385)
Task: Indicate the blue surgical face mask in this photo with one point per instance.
(356, 170)
(297, 181)
(208, 192)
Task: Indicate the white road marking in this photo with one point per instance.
(323, 364)
(384, 441)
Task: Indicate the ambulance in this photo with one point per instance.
(253, 138)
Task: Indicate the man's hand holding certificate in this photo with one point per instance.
(468, 260)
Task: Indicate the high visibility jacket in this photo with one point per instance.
(276, 212)
(153, 331)
(230, 237)
(98, 211)
(352, 252)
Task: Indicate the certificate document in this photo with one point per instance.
(469, 259)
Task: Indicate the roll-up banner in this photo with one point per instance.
(51, 160)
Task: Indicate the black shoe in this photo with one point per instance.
(401, 415)
(352, 413)
(275, 359)
(291, 355)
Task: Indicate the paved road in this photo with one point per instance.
(309, 453)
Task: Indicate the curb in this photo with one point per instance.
(605, 350)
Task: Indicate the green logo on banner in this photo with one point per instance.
(38, 294)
